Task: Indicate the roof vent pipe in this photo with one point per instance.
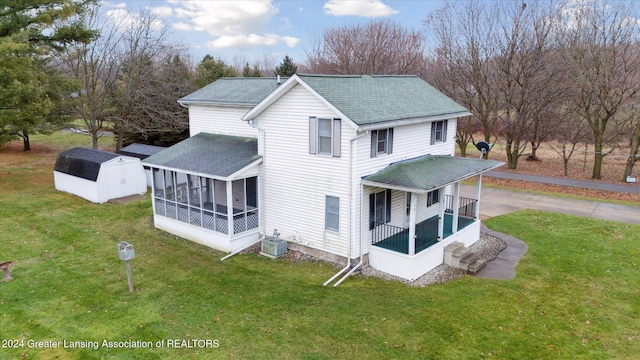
(278, 79)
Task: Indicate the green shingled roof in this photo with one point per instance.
(429, 172)
(238, 91)
(211, 154)
(367, 99)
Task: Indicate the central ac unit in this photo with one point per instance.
(273, 247)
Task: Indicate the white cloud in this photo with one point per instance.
(183, 26)
(367, 8)
(290, 41)
(161, 11)
(122, 19)
(230, 18)
(251, 40)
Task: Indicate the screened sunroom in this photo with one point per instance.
(205, 189)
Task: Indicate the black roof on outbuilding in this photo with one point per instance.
(211, 154)
(141, 151)
(82, 162)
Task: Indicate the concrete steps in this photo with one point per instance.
(461, 257)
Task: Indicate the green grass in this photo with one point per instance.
(575, 294)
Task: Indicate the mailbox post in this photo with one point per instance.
(126, 253)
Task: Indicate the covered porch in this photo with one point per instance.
(426, 234)
(412, 250)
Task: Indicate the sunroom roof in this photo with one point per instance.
(214, 155)
(428, 172)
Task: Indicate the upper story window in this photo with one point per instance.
(324, 136)
(438, 131)
(381, 142)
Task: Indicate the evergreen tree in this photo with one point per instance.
(210, 70)
(248, 71)
(31, 92)
(287, 68)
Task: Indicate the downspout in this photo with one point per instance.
(263, 179)
(263, 213)
(352, 163)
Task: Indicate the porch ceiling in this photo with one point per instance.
(217, 156)
(428, 172)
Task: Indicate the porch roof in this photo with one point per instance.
(212, 155)
(428, 172)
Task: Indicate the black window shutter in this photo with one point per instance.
(433, 133)
(388, 206)
(374, 143)
(372, 211)
(313, 135)
(390, 141)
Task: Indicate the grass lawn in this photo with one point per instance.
(575, 294)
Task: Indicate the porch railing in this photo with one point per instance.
(393, 235)
(397, 238)
(467, 206)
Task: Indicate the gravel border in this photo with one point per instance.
(487, 246)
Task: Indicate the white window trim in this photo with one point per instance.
(327, 212)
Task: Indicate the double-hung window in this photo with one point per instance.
(438, 132)
(381, 142)
(324, 136)
(332, 213)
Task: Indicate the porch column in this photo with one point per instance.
(412, 223)
(478, 189)
(441, 207)
(456, 208)
(229, 207)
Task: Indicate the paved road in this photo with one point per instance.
(494, 202)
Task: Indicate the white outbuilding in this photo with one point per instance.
(98, 176)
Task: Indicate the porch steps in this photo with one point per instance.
(461, 257)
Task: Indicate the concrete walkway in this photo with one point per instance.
(503, 267)
(495, 202)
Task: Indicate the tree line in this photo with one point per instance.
(127, 75)
(562, 73)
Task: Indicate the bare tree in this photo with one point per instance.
(600, 55)
(464, 46)
(377, 47)
(156, 116)
(523, 72)
(568, 134)
(633, 130)
(95, 66)
(144, 50)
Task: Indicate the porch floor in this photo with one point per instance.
(426, 234)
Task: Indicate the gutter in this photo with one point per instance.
(411, 121)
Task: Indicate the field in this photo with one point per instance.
(574, 296)
(580, 167)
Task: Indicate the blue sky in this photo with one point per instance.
(254, 29)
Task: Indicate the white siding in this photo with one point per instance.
(408, 142)
(219, 120)
(297, 182)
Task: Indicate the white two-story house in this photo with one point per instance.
(348, 167)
